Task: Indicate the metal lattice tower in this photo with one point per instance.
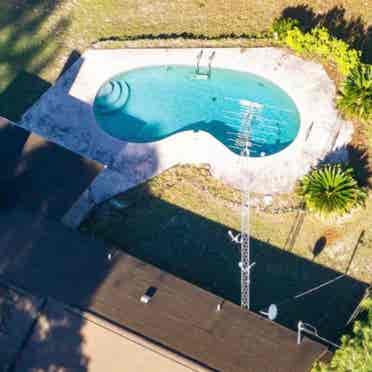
(242, 133)
(243, 142)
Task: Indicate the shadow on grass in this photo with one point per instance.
(352, 30)
(319, 246)
(357, 157)
(22, 92)
(200, 251)
(25, 89)
(38, 175)
(361, 163)
(27, 46)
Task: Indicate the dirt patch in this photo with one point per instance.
(332, 235)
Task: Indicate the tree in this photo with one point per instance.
(355, 96)
(355, 354)
(331, 190)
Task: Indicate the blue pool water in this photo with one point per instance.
(149, 104)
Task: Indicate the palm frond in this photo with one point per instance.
(331, 190)
(355, 96)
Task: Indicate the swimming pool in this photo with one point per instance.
(151, 103)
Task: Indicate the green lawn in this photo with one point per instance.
(37, 37)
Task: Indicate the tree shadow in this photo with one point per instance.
(319, 246)
(352, 30)
(55, 342)
(304, 14)
(361, 163)
(29, 329)
(357, 157)
(26, 49)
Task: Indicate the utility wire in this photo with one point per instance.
(311, 290)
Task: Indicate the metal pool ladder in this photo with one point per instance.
(199, 74)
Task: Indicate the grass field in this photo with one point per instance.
(37, 37)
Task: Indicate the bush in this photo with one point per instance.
(355, 96)
(331, 191)
(281, 26)
(355, 353)
(320, 43)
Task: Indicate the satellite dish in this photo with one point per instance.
(273, 312)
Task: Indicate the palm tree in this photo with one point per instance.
(355, 96)
(331, 190)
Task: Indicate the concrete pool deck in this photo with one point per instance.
(64, 115)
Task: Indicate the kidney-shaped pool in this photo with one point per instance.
(149, 104)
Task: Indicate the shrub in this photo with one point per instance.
(355, 96)
(331, 191)
(320, 43)
(355, 353)
(281, 26)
